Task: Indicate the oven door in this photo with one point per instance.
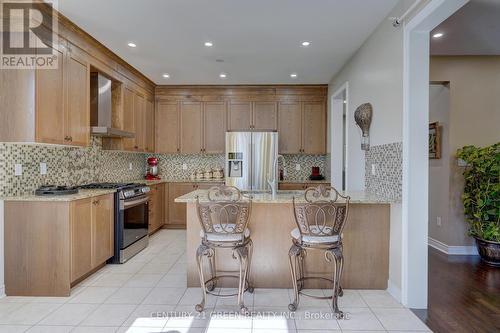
(135, 219)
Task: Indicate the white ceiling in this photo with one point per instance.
(259, 40)
(473, 30)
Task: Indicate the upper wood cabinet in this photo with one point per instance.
(128, 117)
(290, 127)
(150, 126)
(240, 116)
(78, 98)
(314, 128)
(50, 102)
(302, 128)
(140, 122)
(191, 127)
(245, 116)
(62, 106)
(215, 126)
(265, 116)
(167, 122)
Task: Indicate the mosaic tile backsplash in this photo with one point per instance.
(75, 166)
(65, 166)
(388, 178)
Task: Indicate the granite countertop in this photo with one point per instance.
(82, 194)
(283, 197)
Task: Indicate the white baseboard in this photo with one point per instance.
(394, 290)
(452, 250)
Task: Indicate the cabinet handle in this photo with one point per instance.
(136, 147)
(70, 138)
(178, 149)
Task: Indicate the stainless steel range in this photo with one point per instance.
(131, 218)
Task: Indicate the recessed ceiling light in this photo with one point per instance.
(438, 35)
(293, 75)
(305, 43)
(132, 44)
(222, 75)
(209, 44)
(166, 75)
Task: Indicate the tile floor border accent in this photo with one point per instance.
(149, 294)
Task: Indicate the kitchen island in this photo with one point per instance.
(366, 242)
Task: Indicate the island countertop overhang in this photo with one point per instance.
(283, 197)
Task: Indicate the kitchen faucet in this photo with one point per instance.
(274, 182)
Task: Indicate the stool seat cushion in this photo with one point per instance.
(315, 239)
(225, 234)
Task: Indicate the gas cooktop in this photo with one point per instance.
(55, 190)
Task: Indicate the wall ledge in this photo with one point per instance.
(452, 250)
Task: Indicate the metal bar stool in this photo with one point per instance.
(224, 219)
(320, 216)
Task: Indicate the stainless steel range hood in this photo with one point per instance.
(101, 109)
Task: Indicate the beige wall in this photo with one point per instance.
(474, 119)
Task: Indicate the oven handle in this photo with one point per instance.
(135, 202)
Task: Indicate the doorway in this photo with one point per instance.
(339, 135)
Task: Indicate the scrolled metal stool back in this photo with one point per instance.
(224, 213)
(323, 214)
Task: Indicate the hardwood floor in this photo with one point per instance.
(464, 295)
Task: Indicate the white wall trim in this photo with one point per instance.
(335, 155)
(394, 290)
(414, 259)
(453, 250)
(2, 291)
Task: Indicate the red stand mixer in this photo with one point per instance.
(152, 169)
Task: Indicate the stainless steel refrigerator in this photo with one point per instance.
(250, 158)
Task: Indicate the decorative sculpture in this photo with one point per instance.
(363, 117)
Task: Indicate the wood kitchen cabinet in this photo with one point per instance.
(302, 128)
(314, 128)
(156, 209)
(150, 127)
(214, 127)
(42, 261)
(81, 238)
(177, 211)
(290, 127)
(244, 116)
(191, 127)
(102, 229)
(62, 104)
(92, 234)
(128, 117)
(140, 122)
(265, 116)
(167, 122)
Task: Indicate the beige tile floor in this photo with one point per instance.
(149, 294)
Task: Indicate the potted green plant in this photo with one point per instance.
(481, 198)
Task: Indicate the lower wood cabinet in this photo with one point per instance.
(51, 245)
(92, 234)
(176, 218)
(156, 209)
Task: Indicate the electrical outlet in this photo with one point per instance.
(374, 169)
(184, 166)
(438, 221)
(130, 166)
(18, 169)
(297, 166)
(43, 168)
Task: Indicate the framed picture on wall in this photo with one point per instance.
(434, 140)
